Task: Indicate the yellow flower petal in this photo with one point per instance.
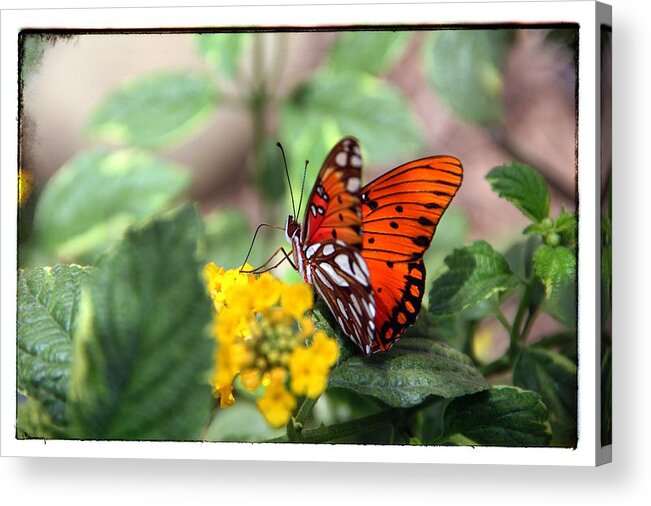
(296, 299)
(325, 348)
(250, 379)
(266, 292)
(309, 375)
(277, 403)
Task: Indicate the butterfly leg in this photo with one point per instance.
(261, 268)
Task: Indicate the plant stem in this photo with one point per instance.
(296, 424)
(502, 319)
(516, 336)
(501, 364)
(344, 430)
(555, 340)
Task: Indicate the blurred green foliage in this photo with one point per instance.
(118, 349)
(155, 109)
(466, 67)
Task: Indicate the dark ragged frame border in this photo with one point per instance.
(56, 33)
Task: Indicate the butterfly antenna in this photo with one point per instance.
(291, 194)
(300, 202)
(253, 240)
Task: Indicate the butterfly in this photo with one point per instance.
(362, 247)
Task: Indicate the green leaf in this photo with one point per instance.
(34, 422)
(465, 67)
(32, 49)
(500, 416)
(555, 267)
(475, 273)
(567, 228)
(223, 51)
(241, 422)
(553, 376)
(367, 51)
(335, 104)
(562, 306)
(48, 299)
(142, 357)
(154, 109)
(95, 196)
(411, 371)
(524, 187)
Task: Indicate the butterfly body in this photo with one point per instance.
(362, 247)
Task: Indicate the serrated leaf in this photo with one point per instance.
(48, 299)
(96, 195)
(562, 306)
(367, 51)
(555, 266)
(142, 358)
(553, 376)
(475, 273)
(154, 109)
(410, 372)
(567, 228)
(465, 67)
(524, 187)
(33, 421)
(335, 104)
(223, 50)
(500, 416)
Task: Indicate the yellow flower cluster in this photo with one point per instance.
(265, 339)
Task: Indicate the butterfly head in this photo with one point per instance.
(292, 228)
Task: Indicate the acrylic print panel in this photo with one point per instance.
(427, 299)
(143, 370)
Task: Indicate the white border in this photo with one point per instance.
(583, 13)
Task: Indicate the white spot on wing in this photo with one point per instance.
(330, 271)
(341, 159)
(343, 262)
(370, 308)
(341, 306)
(313, 209)
(324, 279)
(356, 161)
(356, 316)
(328, 249)
(353, 184)
(362, 264)
(359, 275)
(309, 252)
(353, 297)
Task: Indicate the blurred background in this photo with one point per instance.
(118, 127)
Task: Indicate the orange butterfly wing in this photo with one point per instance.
(400, 212)
(333, 205)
